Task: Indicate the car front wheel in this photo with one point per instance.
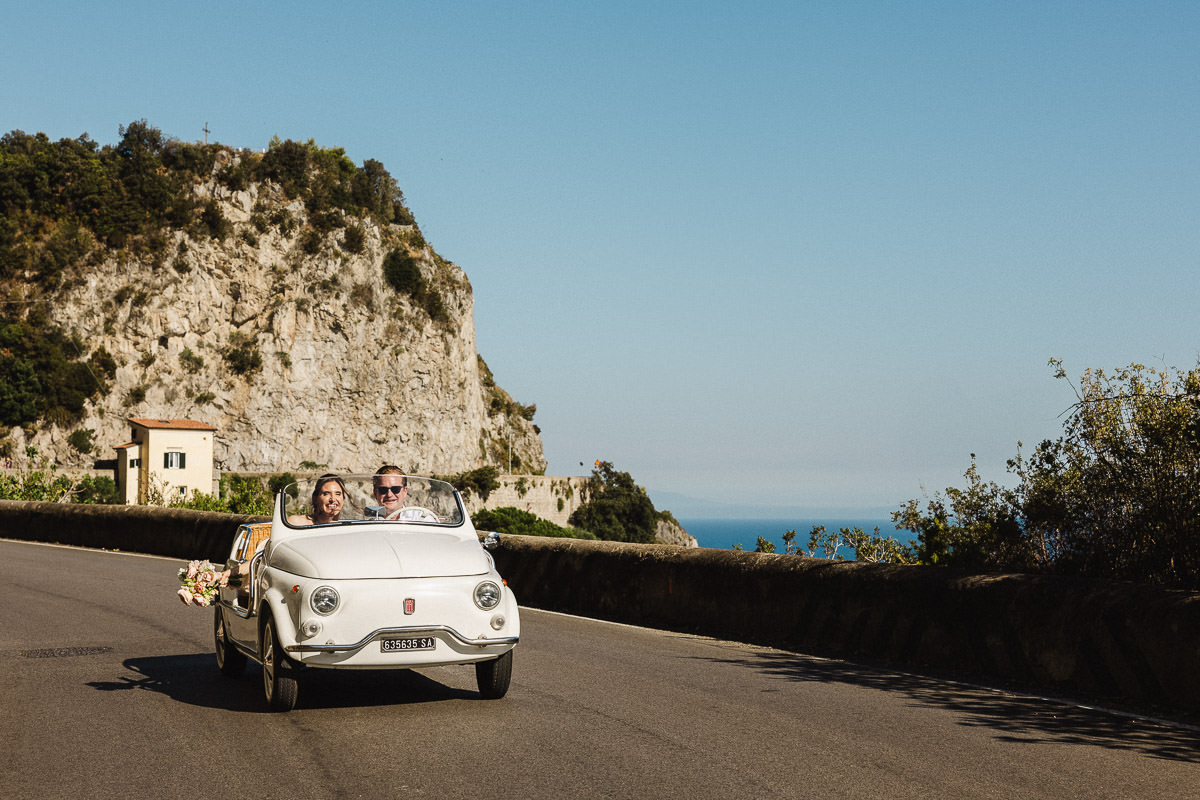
(494, 676)
(279, 679)
(229, 659)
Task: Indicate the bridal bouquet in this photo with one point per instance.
(201, 580)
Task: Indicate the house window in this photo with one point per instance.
(183, 491)
(174, 460)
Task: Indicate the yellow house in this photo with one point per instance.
(173, 455)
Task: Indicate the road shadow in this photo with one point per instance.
(194, 679)
(1014, 718)
(328, 688)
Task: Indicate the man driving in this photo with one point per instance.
(391, 488)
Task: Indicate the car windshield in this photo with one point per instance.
(402, 499)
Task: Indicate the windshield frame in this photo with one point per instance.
(424, 501)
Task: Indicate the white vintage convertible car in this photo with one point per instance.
(355, 573)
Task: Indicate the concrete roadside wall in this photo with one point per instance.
(1095, 638)
(1102, 639)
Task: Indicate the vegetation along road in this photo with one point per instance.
(110, 689)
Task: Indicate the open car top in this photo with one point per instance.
(349, 499)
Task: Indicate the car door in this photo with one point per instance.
(239, 603)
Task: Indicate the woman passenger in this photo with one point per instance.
(329, 494)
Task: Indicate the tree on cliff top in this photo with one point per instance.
(60, 200)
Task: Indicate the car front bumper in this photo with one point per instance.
(445, 631)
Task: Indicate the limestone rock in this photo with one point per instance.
(670, 533)
(295, 356)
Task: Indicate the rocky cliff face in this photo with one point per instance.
(296, 349)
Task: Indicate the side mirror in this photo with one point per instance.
(491, 541)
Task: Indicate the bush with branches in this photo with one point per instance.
(43, 372)
(616, 508)
(480, 482)
(43, 482)
(870, 548)
(403, 274)
(1116, 496)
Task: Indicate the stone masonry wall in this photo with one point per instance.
(548, 497)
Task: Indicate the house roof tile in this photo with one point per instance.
(173, 424)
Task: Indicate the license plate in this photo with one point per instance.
(418, 643)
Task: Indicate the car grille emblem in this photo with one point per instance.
(410, 605)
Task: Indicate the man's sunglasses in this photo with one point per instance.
(382, 490)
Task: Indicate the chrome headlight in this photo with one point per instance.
(325, 600)
(487, 595)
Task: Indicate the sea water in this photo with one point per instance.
(726, 534)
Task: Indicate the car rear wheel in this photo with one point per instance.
(494, 676)
(229, 659)
(279, 678)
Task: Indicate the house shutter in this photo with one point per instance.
(183, 460)
(166, 460)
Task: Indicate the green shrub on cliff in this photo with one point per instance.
(480, 482)
(403, 274)
(83, 440)
(42, 373)
(242, 356)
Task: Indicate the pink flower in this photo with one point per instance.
(200, 581)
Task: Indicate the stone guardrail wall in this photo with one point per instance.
(1103, 639)
(173, 532)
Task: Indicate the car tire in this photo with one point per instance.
(279, 677)
(230, 660)
(494, 676)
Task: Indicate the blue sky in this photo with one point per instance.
(801, 254)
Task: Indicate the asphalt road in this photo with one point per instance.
(109, 688)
